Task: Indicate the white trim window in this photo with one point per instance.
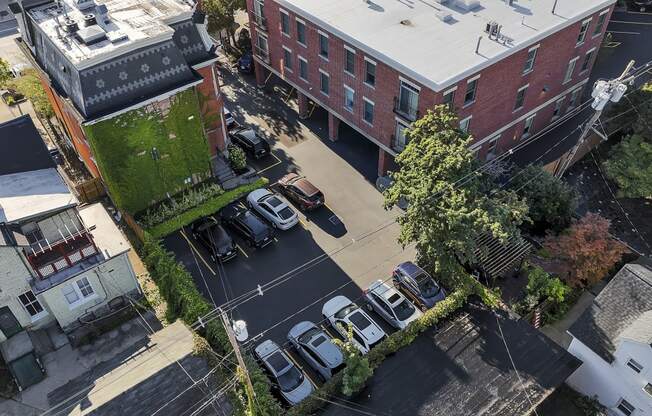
(531, 58)
(586, 63)
(303, 68)
(471, 91)
(583, 29)
(625, 407)
(449, 98)
(602, 18)
(556, 111)
(368, 111)
(323, 45)
(465, 124)
(570, 69)
(527, 127)
(287, 58)
(349, 98)
(324, 82)
(491, 149)
(78, 292)
(32, 305)
(349, 60)
(520, 97)
(369, 72)
(285, 23)
(573, 99)
(301, 32)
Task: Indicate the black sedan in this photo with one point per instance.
(417, 285)
(251, 142)
(214, 238)
(254, 230)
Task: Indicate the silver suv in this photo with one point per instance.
(291, 382)
(316, 348)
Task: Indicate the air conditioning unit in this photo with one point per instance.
(492, 28)
(444, 16)
(467, 4)
(84, 4)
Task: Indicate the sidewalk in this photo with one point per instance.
(557, 330)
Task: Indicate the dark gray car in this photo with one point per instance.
(316, 348)
(417, 285)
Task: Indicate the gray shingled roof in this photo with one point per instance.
(22, 148)
(620, 311)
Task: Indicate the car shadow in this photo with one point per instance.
(324, 218)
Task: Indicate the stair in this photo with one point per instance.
(221, 170)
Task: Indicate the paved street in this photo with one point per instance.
(345, 172)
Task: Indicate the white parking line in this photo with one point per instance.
(294, 360)
(244, 253)
(278, 162)
(194, 249)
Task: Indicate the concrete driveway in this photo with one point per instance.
(337, 249)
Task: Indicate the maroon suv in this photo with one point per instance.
(301, 191)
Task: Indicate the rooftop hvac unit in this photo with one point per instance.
(444, 16)
(70, 26)
(89, 20)
(467, 4)
(84, 4)
(492, 28)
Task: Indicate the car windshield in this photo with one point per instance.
(359, 320)
(286, 213)
(345, 311)
(250, 136)
(307, 336)
(290, 380)
(427, 286)
(403, 310)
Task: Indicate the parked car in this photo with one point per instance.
(251, 142)
(301, 191)
(246, 62)
(254, 230)
(293, 385)
(391, 305)
(228, 119)
(214, 238)
(418, 285)
(316, 348)
(642, 5)
(273, 208)
(343, 314)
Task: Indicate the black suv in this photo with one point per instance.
(251, 142)
(214, 238)
(256, 232)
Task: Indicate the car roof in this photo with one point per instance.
(303, 184)
(386, 292)
(410, 269)
(255, 223)
(249, 135)
(336, 304)
(204, 223)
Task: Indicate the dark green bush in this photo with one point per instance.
(179, 204)
(237, 158)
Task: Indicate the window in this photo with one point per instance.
(465, 124)
(557, 110)
(287, 59)
(449, 98)
(583, 29)
(261, 47)
(323, 45)
(573, 100)
(587, 60)
(625, 407)
(370, 72)
(600, 24)
(520, 98)
(349, 61)
(408, 100)
(78, 291)
(570, 69)
(400, 140)
(349, 98)
(527, 127)
(32, 305)
(493, 143)
(324, 82)
(303, 69)
(285, 23)
(368, 111)
(32, 232)
(301, 32)
(258, 12)
(471, 88)
(529, 61)
(648, 389)
(634, 365)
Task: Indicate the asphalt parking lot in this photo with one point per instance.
(336, 249)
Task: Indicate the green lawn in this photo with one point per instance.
(143, 155)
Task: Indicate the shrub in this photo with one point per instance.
(586, 250)
(542, 286)
(237, 158)
(551, 202)
(630, 166)
(209, 207)
(357, 370)
(181, 203)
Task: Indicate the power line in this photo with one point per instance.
(362, 412)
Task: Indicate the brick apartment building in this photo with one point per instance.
(108, 63)
(508, 68)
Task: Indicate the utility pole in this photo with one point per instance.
(603, 92)
(238, 354)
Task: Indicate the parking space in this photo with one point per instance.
(337, 249)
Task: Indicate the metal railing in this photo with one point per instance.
(407, 112)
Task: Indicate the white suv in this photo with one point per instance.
(343, 314)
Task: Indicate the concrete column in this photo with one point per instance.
(260, 72)
(385, 161)
(333, 127)
(303, 105)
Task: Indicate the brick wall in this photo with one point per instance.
(212, 105)
(493, 108)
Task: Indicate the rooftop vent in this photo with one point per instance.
(117, 37)
(467, 4)
(89, 20)
(84, 4)
(70, 26)
(492, 28)
(91, 35)
(444, 16)
(406, 22)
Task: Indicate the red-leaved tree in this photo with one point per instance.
(586, 251)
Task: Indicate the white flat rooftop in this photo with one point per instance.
(106, 235)
(126, 23)
(28, 194)
(409, 36)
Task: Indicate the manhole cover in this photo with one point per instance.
(334, 220)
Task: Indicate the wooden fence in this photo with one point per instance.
(90, 191)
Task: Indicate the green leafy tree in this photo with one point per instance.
(221, 15)
(357, 368)
(29, 84)
(551, 201)
(542, 285)
(632, 114)
(5, 73)
(630, 166)
(444, 216)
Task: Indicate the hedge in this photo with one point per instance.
(207, 208)
(401, 339)
(186, 302)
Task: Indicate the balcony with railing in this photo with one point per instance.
(405, 110)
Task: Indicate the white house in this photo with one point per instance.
(613, 339)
